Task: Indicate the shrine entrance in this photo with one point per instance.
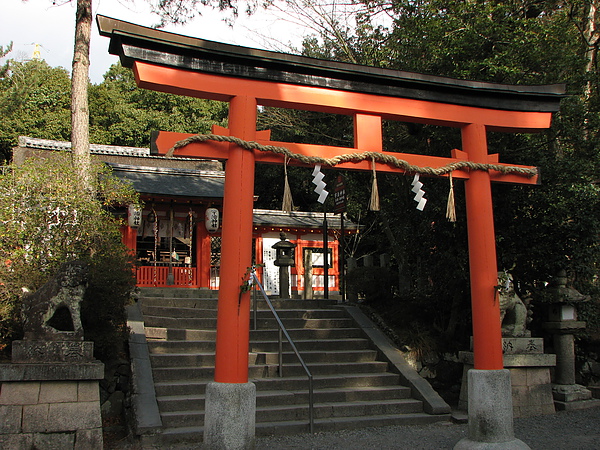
(249, 78)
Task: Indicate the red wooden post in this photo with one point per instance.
(129, 237)
(202, 254)
(233, 315)
(487, 334)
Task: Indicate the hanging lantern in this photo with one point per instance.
(211, 219)
(134, 215)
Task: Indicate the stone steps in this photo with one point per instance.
(179, 334)
(287, 383)
(295, 412)
(262, 314)
(271, 323)
(352, 387)
(265, 398)
(269, 370)
(172, 360)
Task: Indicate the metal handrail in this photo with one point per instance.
(283, 330)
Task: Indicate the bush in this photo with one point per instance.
(47, 218)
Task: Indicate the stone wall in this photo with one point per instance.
(50, 414)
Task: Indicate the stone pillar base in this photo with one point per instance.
(490, 412)
(230, 416)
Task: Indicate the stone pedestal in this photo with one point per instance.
(568, 395)
(230, 416)
(529, 370)
(490, 412)
(51, 404)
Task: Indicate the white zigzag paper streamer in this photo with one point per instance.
(318, 181)
(419, 193)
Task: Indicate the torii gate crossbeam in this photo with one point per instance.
(247, 78)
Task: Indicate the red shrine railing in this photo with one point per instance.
(148, 276)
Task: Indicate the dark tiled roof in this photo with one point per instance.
(298, 219)
(95, 149)
(172, 182)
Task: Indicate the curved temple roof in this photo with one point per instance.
(136, 43)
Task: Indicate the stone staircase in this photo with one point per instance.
(360, 380)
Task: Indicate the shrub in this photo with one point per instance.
(46, 218)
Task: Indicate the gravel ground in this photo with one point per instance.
(576, 430)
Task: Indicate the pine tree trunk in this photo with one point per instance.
(80, 139)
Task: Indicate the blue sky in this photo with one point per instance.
(38, 22)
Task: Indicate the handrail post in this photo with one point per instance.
(283, 330)
(280, 353)
(311, 422)
(254, 306)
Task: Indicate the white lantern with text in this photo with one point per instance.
(134, 216)
(211, 219)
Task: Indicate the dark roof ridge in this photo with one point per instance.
(167, 170)
(134, 42)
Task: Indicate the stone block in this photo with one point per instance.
(540, 394)
(88, 391)
(518, 377)
(16, 441)
(30, 351)
(570, 393)
(230, 416)
(53, 441)
(10, 419)
(89, 439)
(56, 371)
(519, 395)
(58, 392)
(538, 376)
(35, 418)
(20, 393)
(530, 360)
(74, 416)
(522, 345)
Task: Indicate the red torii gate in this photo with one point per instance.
(248, 78)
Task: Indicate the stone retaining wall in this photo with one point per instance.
(50, 414)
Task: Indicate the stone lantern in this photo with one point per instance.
(284, 258)
(563, 323)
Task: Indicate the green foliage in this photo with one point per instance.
(3, 52)
(122, 114)
(34, 100)
(540, 229)
(44, 221)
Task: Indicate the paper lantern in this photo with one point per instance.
(134, 215)
(211, 219)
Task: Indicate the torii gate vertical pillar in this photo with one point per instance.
(490, 392)
(231, 400)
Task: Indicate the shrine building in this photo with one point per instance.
(174, 241)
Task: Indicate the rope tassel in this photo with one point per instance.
(451, 207)
(288, 202)
(374, 201)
